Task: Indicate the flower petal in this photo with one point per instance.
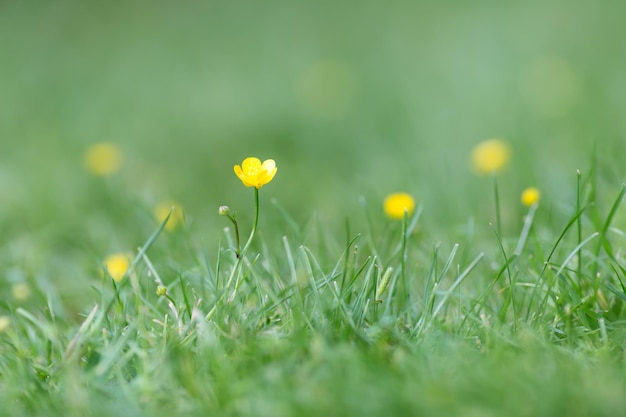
(269, 165)
(242, 176)
(238, 171)
(250, 165)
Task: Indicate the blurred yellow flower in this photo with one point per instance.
(5, 322)
(103, 159)
(117, 265)
(253, 173)
(490, 156)
(20, 292)
(397, 203)
(176, 219)
(530, 196)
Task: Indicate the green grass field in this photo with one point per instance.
(472, 305)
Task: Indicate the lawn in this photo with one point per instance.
(135, 280)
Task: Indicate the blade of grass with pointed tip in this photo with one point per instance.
(569, 224)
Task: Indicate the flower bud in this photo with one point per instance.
(224, 210)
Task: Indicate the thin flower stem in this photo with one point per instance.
(256, 221)
(579, 234)
(245, 248)
(497, 201)
(236, 272)
(403, 255)
(234, 222)
(237, 237)
(171, 300)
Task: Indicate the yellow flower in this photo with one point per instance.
(253, 173)
(5, 322)
(530, 196)
(103, 159)
(397, 203)
(117, 265)
(176, 219)
(490, 156)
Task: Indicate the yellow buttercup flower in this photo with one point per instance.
(397, 203)
(103, 159)
(117, 265)
(530, 196)
(176, 218)
(490, 156)
(253, 173)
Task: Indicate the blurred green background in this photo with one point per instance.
(350, 98)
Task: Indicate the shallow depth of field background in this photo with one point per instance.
(352, 99)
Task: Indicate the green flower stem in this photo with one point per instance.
(256, 221)
(234, 222)
(496, 195)
(171, 300)
(579, 234)
(247, 245)
(403, 255)
(237, 268)
(237, 237)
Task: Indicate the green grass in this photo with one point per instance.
(475, 305)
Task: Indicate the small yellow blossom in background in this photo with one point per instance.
(530, 196)
(103, 159)
(5, 322)
(397, 203)
(117, 265)
(253, 173)
(20, 292)
(176, 219)
(490, 156)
